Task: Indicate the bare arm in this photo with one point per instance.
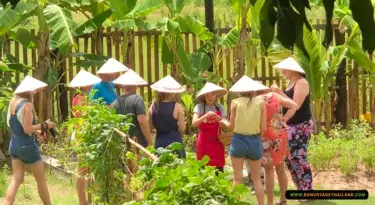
(28, 126)
(232, 118)
(143, 122)
(286, 102)
(301, 90)
(150, 123)
(180, 118)
(263, 119)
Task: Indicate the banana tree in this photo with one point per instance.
(56, 31)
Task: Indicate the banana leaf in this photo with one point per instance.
(61, 24)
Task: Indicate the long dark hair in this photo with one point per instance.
(162, 96)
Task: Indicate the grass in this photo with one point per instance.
(62, 192)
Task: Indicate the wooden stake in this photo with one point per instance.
(125, 137)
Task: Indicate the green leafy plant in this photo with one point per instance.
(322, 153)
(344, 149)
(3, 179)
(102, 151)
(170, 180)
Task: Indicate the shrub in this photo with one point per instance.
(170, 180)
(102, 151)
(3, 180)
(344, 148)
(322, 153)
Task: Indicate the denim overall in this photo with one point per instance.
(22, 146)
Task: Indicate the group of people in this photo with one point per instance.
(270, 126)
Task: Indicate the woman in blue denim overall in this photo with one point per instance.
(23, 147)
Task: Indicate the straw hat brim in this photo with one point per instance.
(163, 90)
(292, 69)
(218, 93)
(30, 84)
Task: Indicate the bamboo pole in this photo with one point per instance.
(125, 137)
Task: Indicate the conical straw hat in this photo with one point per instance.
(209, 88)
(83, 79)
(29, 84)
(168, 85)
(289, 64)
(246, 84)
(112, 66)
(130, 78)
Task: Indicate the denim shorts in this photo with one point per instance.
(246, 146)
(25, 150)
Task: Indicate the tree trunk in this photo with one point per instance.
(340, 89)
(44, 100)
(353, 94)
(98, 40)
(209, 20)
(239, 68)
(63, 97)
(327, 110)
(317, 116)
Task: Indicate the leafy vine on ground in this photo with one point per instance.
(170, 180)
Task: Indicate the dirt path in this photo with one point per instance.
(334, 179)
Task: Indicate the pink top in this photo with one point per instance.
(78, 100)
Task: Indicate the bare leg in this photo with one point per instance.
(237, 165)
(81, 185)
(37, 169)
(270, 182)
(17, 178)
(255, 176)
(283, 180)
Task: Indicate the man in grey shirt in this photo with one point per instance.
(133, 104)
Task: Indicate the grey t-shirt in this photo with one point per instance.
(132, 104)
(199, 109)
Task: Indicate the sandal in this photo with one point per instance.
(280, 202)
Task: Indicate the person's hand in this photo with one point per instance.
(211, 114)
(218, 118)
(50, 124)
(275, 88)
(224, 123)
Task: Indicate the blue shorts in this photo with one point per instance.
(246, 146)
(25, 150)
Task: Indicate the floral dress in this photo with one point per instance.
(275, 137)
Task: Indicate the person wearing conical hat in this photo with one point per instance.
(299, 121)
(83, 82)
(132, 103)
(23, 148)
(208, 117)
(105, 90)
(166, 115)
(274, 141)
(248, 120)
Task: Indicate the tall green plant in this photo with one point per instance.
(316, 68)
(170, 180)
(102, 151)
